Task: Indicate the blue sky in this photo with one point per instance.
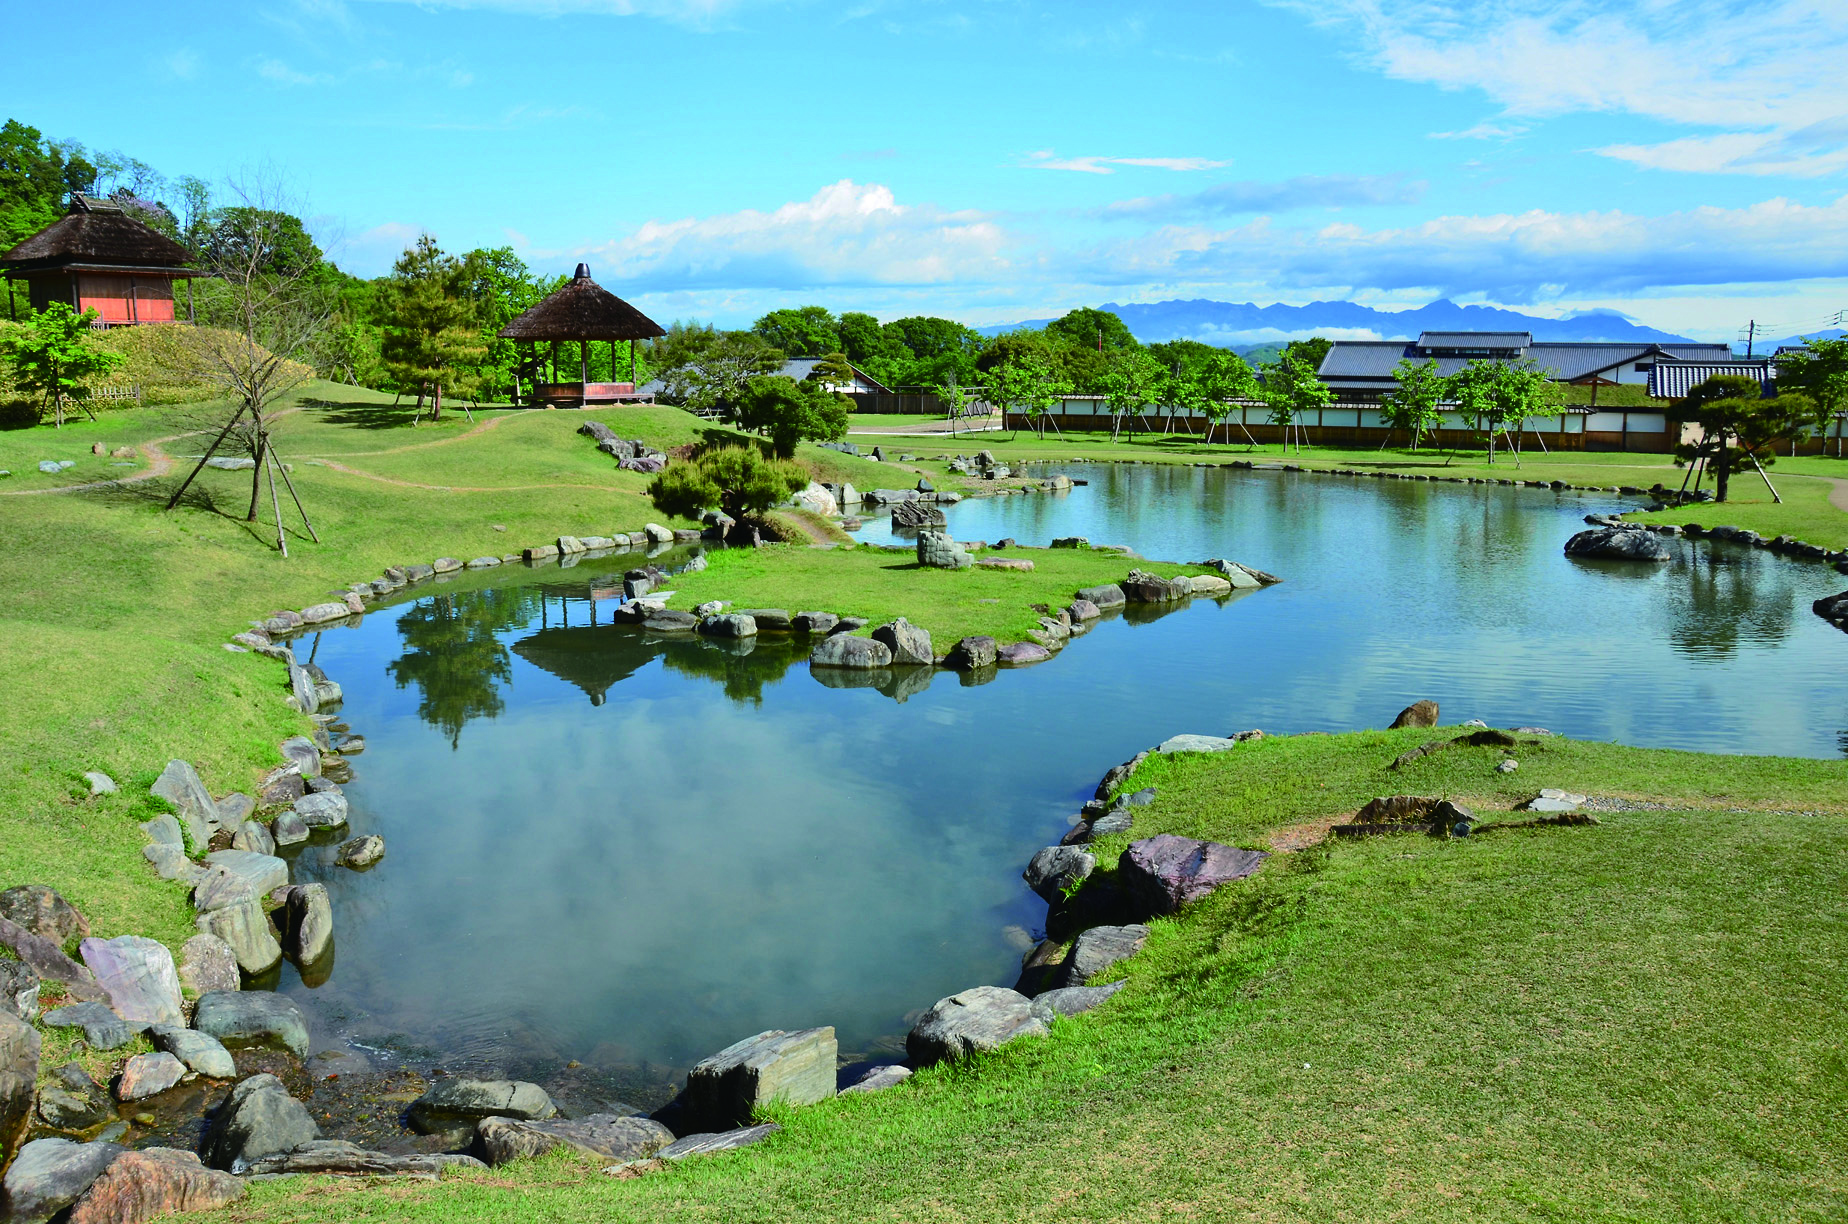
(1686, 163)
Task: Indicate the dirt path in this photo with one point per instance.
(1838, 492)
(159, 463)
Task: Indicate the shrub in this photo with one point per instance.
(736, 479)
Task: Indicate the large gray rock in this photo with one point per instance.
(170, 862)
(454, 1104)
(796, 1068)
(264, 872)
(1144, 587)
(1197, 743)
(1421, 713)
(1021, 654)
(973, 653)
(721, 1141)
(1097, 949)
(73, 1102)
(138, 975)
(613, 1137)
(233, 810)
(207, 963)
(1056, 869)
(50, 1175)
(361, 852)
(908, 643)
(164, 829)
(201, 1052)
(217, 887)
(325, 810)
(983, 1018)
(307, 922)
(300, 751)
(43, 912)
(241, 1019)
(915, 515)
(153, 1182)
(246, 928)
(939, 551)
(179, 785)
(19, 989)
(1104, 598)
(846, 650)
(102, 1028)
(1167, 871)
(879, 1078)
(814, 622)
(1072, 1000)
(19, 1061)
(289, 829)
(1617, 544)
(260, 1119)
(729, 625)
(144, 1075)
(254, 836)
(338, 1158)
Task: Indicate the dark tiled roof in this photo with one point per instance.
(1475, 340)
(582, 310)
(1369, 364)
(1674, 379)
(97, 233)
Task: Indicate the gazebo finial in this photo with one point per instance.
(583, 272)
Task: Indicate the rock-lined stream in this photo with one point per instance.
(626, 851)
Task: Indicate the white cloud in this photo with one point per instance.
(695, 13)
(845, 234)
(1304, 191)
(1045, 159)
(279, 72)
(1770, 71)
(1482, 131)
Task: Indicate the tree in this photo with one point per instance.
(1416, 402)
(861, 337)
(1291, 390)
(1225, 378)
(1738, 423)
(706, 371)
(433, 329)
(276, 307)
(1098, 330)
(54, 355)
(1310, 351)
(501, 287)
(1026, 382)
(787, 412)
(36, 177)
(832, 372)
(958, 401)
(1820, 371)
(738, 480)
(1527, 393)
(806, 331)
(1130, 386)
(1501, 394)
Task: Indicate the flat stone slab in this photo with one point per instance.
(984, 1018)
(138, 975)
(1197, 743)
(338, 1158)
(1165, 872)
(154, 1182)
(201, 1052)
(1099, 948)
(879, 1078)
(102, 1028)
(253, 1018)
(722, 1141)
(611, 1136)
(452, 1103)
(1072, 1000)
(50, 1174)
(264, 872)
(794, 1068)
(1553, 800)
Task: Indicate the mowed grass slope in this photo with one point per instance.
(115, 613)
(1638, 1020)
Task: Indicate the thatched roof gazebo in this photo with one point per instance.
(98, 257)
(582, 311)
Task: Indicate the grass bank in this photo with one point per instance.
(1633, 1021)
(112, 630)
(881, 583)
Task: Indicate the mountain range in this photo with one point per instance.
(1241, 324)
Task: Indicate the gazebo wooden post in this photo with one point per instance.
(632, 385)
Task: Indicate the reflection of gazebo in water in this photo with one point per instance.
(581, 311)
(594, 659)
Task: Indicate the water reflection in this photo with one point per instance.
(655, 845)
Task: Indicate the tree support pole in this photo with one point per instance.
(210, 451)
(297, 498)
(1767, 479)
(282, 541)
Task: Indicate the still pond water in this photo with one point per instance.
(629, 851)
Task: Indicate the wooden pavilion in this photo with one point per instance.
(581, 311)
(98, 257)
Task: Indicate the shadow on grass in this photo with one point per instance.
(154, 494)
(365, 415)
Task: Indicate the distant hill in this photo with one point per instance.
(1762, 347)
(1246, 325)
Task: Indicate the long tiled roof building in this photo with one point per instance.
(1362, 370)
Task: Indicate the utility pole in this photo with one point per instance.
(1751, 334)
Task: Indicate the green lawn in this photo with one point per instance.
(1634, 1021)
(881, 584)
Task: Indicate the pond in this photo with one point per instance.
(625, 852)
